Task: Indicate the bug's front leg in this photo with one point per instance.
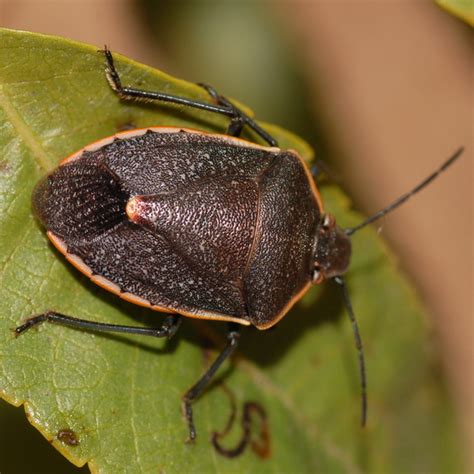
(193, 393)
(132, 93)
(222, 106)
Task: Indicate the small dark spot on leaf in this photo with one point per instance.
(68, 437)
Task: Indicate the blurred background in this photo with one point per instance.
(382, 89)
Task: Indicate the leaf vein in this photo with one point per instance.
(38, 152)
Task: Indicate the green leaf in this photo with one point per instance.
(463, 9)
(121, 395)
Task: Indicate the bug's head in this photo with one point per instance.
(332, 250)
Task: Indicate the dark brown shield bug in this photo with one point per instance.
(195, 224)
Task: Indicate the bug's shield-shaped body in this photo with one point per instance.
(204, 225)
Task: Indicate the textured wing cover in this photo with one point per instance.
(148, 266)
(164, 162)
(281, 262)
(225, 229)
(212, 221)
(80, 201)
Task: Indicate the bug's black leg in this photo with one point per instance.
(212, 92)
(167, 329)
(130, 93)
(196, 390)
(235, 127)
(240, 118)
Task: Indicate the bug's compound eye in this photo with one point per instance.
(317, 277)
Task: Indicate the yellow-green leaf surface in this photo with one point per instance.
(120, 395)
(463, 9)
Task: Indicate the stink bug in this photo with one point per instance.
(196, 224)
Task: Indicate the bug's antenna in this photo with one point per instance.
(404, 197)
(360, 350)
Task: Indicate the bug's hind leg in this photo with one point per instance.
(193, 393)
(167, 329)
(223, 106)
